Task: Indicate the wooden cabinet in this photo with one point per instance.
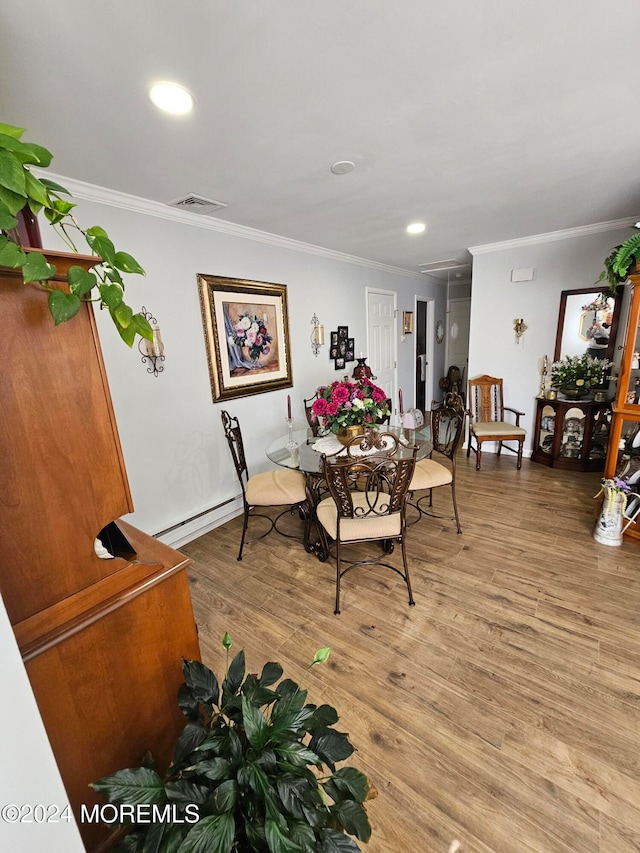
(572, 434)
(102, 639)
(623, 459)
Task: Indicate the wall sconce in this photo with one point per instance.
(152, 351)
(317, 335)
(519, 328)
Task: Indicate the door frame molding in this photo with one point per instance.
(430, 340)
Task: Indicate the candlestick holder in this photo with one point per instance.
(543, 380)
(292, 446)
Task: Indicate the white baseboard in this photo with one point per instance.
(192, 530)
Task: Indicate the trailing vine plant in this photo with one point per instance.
(20, 188)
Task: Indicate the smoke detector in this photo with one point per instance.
(197, 204)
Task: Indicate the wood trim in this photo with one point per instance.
(70, 615)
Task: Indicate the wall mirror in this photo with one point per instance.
(587, 322)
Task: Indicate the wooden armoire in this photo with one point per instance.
(102, 639)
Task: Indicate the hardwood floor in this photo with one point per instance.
(503, 710)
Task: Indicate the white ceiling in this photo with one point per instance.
(488, 120)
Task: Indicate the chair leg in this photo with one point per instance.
(455, 505)
(499, 448)
(337, 608)
(520, 445)
(406, 570)
(478, 455)
(245, 524)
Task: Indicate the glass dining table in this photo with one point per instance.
(295, 449)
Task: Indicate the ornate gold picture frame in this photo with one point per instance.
(246, 329)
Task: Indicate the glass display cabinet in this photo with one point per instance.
(623, 459)
(572, 434)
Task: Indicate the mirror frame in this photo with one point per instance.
(613, 334)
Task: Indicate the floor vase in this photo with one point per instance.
(610, 523)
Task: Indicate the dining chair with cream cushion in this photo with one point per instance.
(366, 504)
(487, 421)
(447, 430)
(282, 487)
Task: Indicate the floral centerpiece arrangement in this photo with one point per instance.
(251, 332)
(600, 303)
(344, 404)
(575, 375)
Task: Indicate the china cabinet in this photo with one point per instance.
(623, 459)
(571, 434)
(101, 638)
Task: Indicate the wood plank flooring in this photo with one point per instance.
(503, 710)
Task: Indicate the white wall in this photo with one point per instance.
(29, 773)
(560, 264)
(176, 456)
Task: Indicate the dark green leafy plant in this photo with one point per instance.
(20, 188)
(251, 757)
(618, 263)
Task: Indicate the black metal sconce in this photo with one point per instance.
(152, 351)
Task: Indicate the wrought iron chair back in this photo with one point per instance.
(267, 489)
(368, 495)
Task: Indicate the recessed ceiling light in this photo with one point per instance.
(636, 224)
(416, 228)
(343, 167)
(171, 98)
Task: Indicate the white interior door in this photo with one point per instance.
(381, 336)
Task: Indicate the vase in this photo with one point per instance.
(609, 526)
(248, 358)
(575, 393)
(362, 370)
(348, 433)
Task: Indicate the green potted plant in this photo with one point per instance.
(576, 375)
(21, 190)
(618, 264)
(248, 772)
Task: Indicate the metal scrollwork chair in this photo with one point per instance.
(316, 427)
(282, 487)
(487, 423)
(447, 430)
(367, 503)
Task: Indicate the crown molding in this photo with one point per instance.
(124, 201)
(552, 236)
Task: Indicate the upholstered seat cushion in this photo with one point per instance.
(276, 488)
(429, 474)
(497, 428)
(351, 529)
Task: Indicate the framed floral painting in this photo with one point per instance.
(246, 329)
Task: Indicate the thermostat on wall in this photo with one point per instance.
(524, 274)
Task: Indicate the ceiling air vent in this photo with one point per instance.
(443, 266)
(197, 204)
